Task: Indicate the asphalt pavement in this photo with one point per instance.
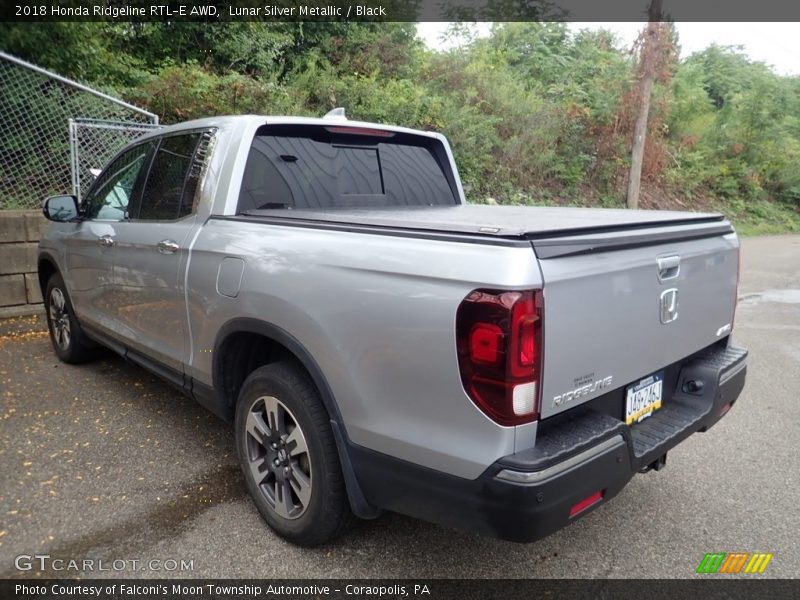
(104, 462)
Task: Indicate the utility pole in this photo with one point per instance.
(647, 74)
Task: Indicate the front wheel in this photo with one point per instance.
(69, 341)
(288, 455)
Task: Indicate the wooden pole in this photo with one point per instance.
(648, 75)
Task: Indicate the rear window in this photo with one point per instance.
(312, 167)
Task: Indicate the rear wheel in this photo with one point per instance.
(288, 455)
(69, 341)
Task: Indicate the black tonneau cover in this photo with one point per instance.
(554, 231)
(501, 221)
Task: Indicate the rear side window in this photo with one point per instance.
(314, 168)
(164, 197)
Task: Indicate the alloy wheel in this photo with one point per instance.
(277, 454)
(59, 318)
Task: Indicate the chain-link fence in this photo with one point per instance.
(36, 150)
(93, 142)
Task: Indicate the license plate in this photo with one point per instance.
(644, 398)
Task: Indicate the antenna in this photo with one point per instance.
(336, 113)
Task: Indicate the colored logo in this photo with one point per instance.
(734, 562)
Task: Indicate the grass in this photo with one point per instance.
(761, 217)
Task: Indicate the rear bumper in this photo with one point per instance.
(526, 496)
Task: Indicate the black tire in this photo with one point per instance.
(69, 342)
(272, 453)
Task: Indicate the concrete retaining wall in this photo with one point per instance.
(19, 287)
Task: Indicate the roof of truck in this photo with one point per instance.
(233, 120)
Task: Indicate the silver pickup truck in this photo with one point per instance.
(380, 344)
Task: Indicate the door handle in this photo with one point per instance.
(668, 267)
(106, 241)
(168, 247)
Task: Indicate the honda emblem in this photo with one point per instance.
(669, 305)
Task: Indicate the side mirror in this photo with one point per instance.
(61, 209)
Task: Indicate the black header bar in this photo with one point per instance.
(706, 587)
(274, 11)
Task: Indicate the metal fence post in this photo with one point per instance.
(73, 158)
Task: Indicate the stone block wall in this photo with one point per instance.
(20, 231)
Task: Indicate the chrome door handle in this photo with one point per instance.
(106, 241)
(168, 247)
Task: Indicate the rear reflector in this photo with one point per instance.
(586, 503)
(725, 409)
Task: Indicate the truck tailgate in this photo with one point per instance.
(621, 305)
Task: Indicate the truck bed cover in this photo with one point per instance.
(547, 227)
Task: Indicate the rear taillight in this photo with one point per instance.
(499, 345)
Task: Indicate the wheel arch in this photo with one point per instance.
(294, 349)
(46, 268)
(226, 391)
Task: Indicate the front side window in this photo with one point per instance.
(165, 190)
(112, 193)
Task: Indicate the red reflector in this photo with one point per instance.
(586, 503)
(361, 131)
(485, 343)
(725, 409)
